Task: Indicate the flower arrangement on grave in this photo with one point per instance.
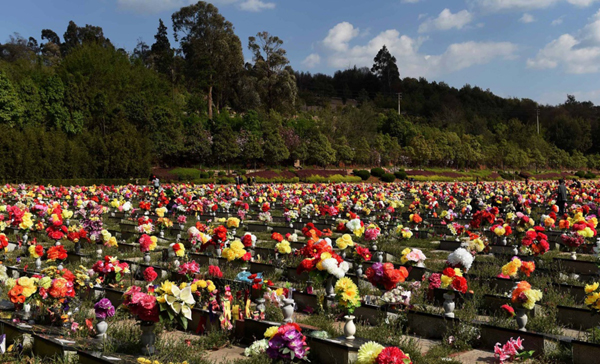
(347, 294)
(145, 225)
(189, 269)
(397, 296)
(175, 302)
(233, 223)
(283, 247)
(452, 278)
(36, 251)
(516, 266)
(385, 277)
(286, 343)
(476, 243)
(403, 232)
(56, 253)
(164, 223)
(104, 309)
(56, 230)
(524, 296)
(374, 353)
(236, 251)
(110, 271)
(510, 351)
(147, 243)
(356, 226)
(178, 249)
(344, 242)
(21, 290)
(460, 258)
(592, 300)
(311, 232)
(372, 232)
(321, 261)
(535, 242)
(412, 256)
(3, 242)
(361, 254)
(248, 240)
(142, 305)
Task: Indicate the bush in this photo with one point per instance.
(277, 180)
(221, 174)
(388, 177)
(363, 174)
(401, 174)
(186, 174)
(580, 174)
(336, 178)
(590, 175)
(205, 175)
(377, 172)
(241, 172)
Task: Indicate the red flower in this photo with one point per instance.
(215, 271)
(247, 257)
(149, 274)
(449, 272)
(460, 284)
(306, 265)
(247, 240)
(392, 355)
(56, 252)
(509, 310)
(277, 237)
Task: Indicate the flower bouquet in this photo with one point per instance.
(286, 343)
(460, 258)
(236, 251)
(516, 265)
(385, 277)
(524, 299)
(142, 305)
(535, 242)
(592, 300)
(110, 270)
(374, 353)
(413, 256)
(175, 302)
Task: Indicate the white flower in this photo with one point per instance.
(181, 301)
(353, 224)
(461, 256)
(127, 206)
(293, 238)
(329, 264)
(345, 266)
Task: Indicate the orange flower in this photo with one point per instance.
(521, 287)
(15, 294)
(563, 224)
(527, 268)
(59, 288)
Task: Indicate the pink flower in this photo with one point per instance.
(74, 326)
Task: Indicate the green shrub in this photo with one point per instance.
(580, 174)
(377, 172)
(225, 180)
(241, 172)
(401, 174)
(205, 175)
(590, 175)
(277, 180)
(221, 174)
(388, 177)
(363, 174)
(186, 174)
(337, 178)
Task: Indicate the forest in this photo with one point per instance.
(78, 107)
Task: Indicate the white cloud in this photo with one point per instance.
(558, 21)
(421, 16)
(523, 5)
(412, 63)
(446, 20)
(527, 18)
(410, 1)
(158, 6)
(339, 36)
(312, 60)
(579, 53)
(256, 5)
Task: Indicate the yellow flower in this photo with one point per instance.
(233, 222)
(446, 281)
(591, 299)
(368, 352)
(271, 331)
(202, 283)
(589, 288)
(405, 251)
(167, 287)
(228, 254)
(283, 247)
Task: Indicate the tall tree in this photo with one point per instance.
(162, 53)
(212, 51)
(386, 70)
(276, 82)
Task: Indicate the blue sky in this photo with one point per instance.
(538, 49)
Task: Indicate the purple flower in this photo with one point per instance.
(104, 309)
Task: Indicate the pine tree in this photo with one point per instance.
(162, 53)
(386, 70)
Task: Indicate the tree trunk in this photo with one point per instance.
(210, 103)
